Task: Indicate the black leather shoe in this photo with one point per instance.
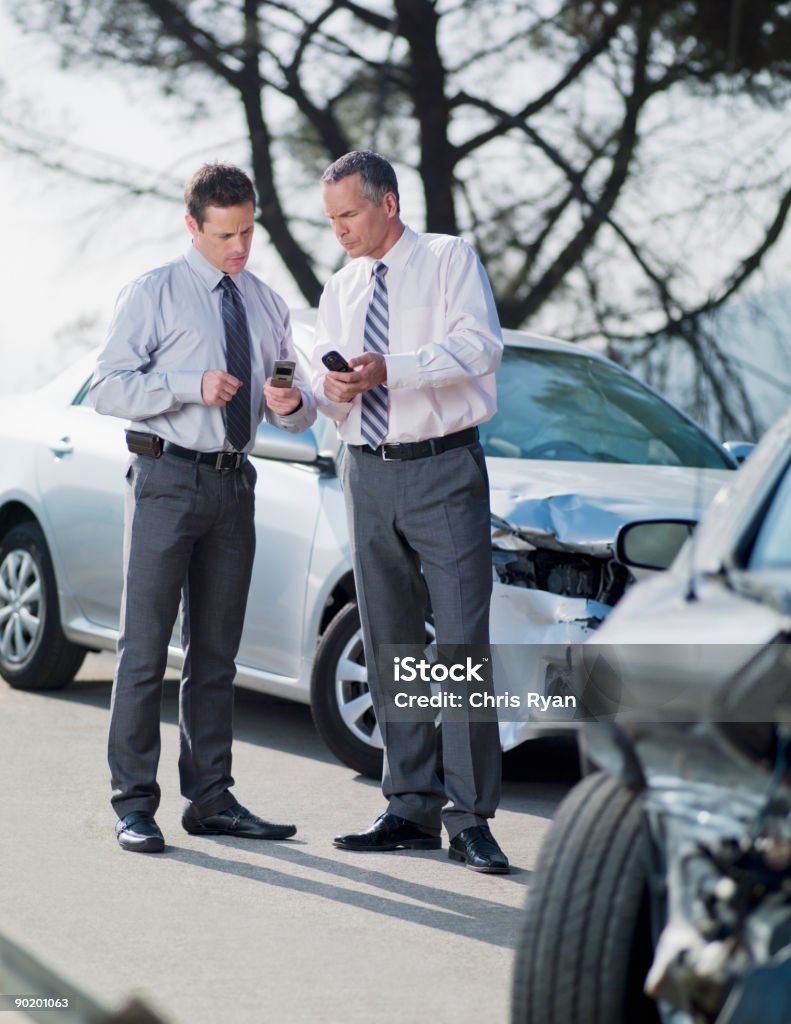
(139, 832)
(389, 832)
(236, 821)
(477, 848)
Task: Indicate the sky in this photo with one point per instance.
(69, 248)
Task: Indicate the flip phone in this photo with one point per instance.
(334, 361)
(283, 373)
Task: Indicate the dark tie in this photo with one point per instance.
(237, 354)
(373, 420)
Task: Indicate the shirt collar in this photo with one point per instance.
(207, 272)
(397, 256)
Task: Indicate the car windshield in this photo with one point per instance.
(567, 407)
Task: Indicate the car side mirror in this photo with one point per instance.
(273, 443)
(738, 449)
(652, 544)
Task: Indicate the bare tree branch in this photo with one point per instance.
(203, 47)
(563, 196)
(572, 74)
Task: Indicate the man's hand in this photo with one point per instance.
(281, 401)
(218, 387)
(369, 370)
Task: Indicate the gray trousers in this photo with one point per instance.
(189, 537)
(432, 515)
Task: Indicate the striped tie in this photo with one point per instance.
(373, 421)
(237, 355)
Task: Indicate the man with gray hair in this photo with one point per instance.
(415, 319)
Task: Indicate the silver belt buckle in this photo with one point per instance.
(385, 457)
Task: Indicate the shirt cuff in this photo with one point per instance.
(185, 385)
(403, 371)
(335, 410)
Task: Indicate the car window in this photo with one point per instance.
(772, 546)
(561, 406)
(81, 398)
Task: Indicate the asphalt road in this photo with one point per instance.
(219, 931)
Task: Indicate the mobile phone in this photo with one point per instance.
(334, 361)
(283, 373)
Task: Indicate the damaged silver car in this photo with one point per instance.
(662, 892)
(577, 447)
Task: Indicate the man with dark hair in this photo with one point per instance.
(415, 318)
(216, 185)
(188, 359)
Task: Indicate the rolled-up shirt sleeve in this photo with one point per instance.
(127, 382)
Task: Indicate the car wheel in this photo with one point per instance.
(340, 700)
(34, 653)
(586, 945)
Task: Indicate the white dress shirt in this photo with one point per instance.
(167, 330)
(445, 340)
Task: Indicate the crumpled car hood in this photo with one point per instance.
(581, 505)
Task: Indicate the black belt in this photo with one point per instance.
(421, 449)
(218, 460)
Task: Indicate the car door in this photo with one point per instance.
(80, 470)
(288, 497)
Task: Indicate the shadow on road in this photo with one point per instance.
(476, 918)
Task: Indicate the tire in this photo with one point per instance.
(586, 945)
(340, 701)
(34, 653)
